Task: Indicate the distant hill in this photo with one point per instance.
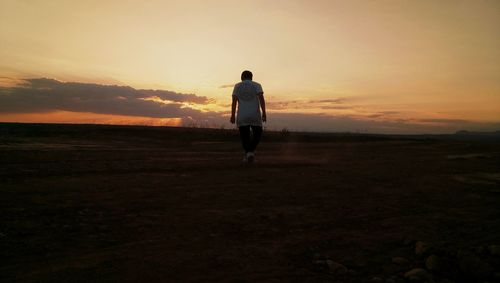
(10, 131)
(465, 132)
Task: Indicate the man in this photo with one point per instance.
(249, 97)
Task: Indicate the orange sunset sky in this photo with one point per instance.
(369, 66)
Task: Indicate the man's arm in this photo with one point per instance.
(233, 110)
(263, 106)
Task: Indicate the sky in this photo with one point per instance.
(325, 65)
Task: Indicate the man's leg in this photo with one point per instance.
(256, 133)
(245, 137)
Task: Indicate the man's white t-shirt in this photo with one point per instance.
(247, 93)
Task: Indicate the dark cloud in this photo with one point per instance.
(338, 123)
(336, 100)
(226, 86)
(329, 123)
(444, 121)
(46, 95)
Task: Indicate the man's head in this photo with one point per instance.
(246, 75)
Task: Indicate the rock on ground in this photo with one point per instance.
(418, 275)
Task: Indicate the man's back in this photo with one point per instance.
(249, 97)
(247, 93)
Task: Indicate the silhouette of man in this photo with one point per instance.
(249, 97)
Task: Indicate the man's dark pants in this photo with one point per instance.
(250, 140)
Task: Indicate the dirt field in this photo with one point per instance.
(128, 204)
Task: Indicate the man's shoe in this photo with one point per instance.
(250, 157)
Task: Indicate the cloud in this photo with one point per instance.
(325, 104)
(444, 121)
(85, 99)
(333, 107)
(329, 123)
(227, 86)
(382, 114)
(339, 123)
(46, 95)
(335, 101)
(281, 105)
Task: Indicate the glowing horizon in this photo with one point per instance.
(422, 63)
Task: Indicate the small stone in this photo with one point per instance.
(418, 274)
(336, 267)
(376, 279)
(400, 260)
(494, 249)
(434, 263)
(420, 248)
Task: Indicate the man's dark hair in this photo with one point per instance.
(246, 75)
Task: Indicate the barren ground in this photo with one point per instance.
(91, 203)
